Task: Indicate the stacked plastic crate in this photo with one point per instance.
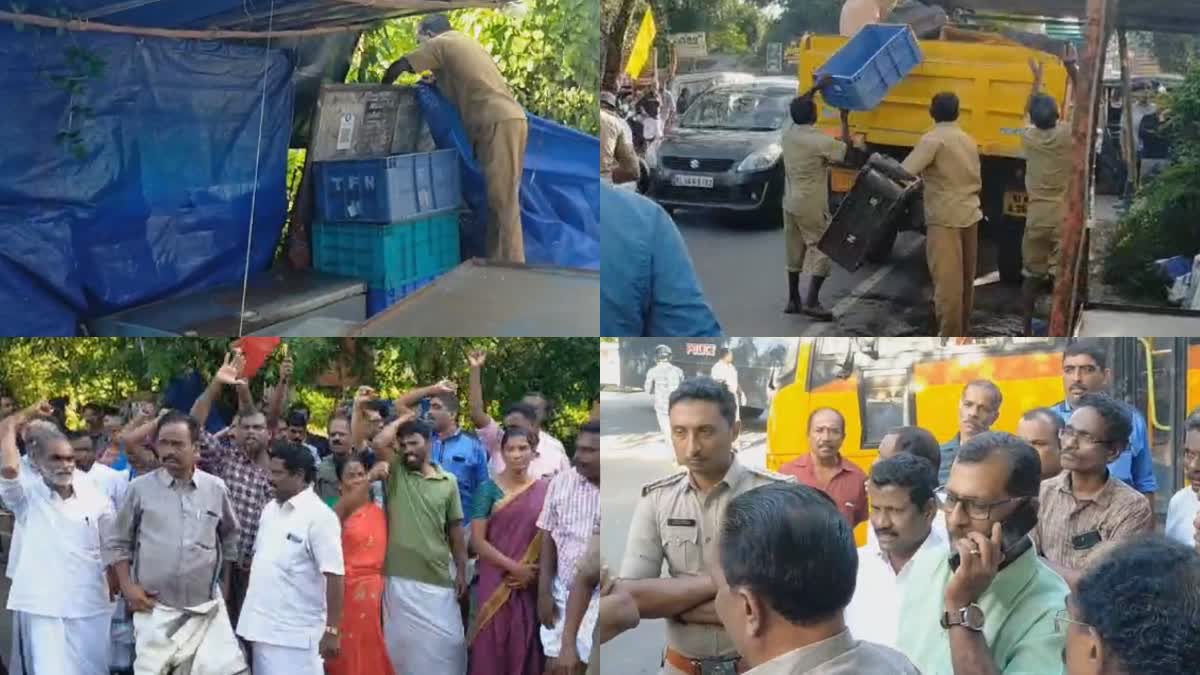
(391, 221)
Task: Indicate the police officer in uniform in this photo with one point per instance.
(677, 520)
(661, 381)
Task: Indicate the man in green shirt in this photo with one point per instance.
(422, 623)
(993, 612)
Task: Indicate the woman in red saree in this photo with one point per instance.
(364, 543)
(504, 639)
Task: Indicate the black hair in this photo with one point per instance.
(435, 24)
(297, 419)
(991, 388)
(1024, 463)
(92, 405)
(1043, 111)
(524, 410)
(910, 472)
(300, 408)
(723, 352)
(591, 427)
(803, 110)
(788, 544)
(1118, 424)
(515, 432)
(73, 436)
(1045, 414)
(341, 461)
(419, 427)
(813, 414)
(249, 411)
(450, 401)
(1095, 351)
(296, 458)
(1143, 600)
(944, 107)
(176, 417)
(702, 388)
(379, 406)
(919, 442)
(111, 411)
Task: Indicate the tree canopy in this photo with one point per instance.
(112, 370)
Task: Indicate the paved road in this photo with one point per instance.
(742, 271)
(632, 454)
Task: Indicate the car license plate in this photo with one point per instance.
(1015, 204)
(685, 180)
(843, 179)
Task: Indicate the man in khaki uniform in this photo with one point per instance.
(678, 518)
(618, 161)
(807, 155)
(947, 159)
(494, 121)
(1047, 177)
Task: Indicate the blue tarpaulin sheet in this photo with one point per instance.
(560, 191)
(159, 202)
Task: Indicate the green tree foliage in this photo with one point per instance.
(1162, 222)
(549, 55)
(806, 16)
(110, 370)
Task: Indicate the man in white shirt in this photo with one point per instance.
(543, 408)
(109, 481)
(549, 455)
(59, 582)
(1185, 505)
(911, 441)
(661, 381)
(903, 509)
(723, 371)
(293, 606)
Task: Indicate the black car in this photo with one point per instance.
(725, 153)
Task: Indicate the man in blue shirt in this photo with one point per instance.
(648, 287)
(1085, 370)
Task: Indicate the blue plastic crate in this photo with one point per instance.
(379, 299)
(869, 65)
(388, 256)
(388, 189)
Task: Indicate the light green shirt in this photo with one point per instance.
(1018, 607)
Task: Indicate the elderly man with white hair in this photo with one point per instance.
(59, 584)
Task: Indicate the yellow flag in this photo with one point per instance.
(642, 46)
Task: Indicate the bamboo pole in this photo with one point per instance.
(1084, 126)
(1128, 133)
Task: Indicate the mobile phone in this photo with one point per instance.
(1014, 534)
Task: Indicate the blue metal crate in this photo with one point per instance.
(379, 299)
(388, 189)
(388, 256)
(869, 65)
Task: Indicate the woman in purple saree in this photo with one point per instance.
(504, 637)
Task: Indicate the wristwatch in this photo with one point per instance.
(969, 617)
(332, 630)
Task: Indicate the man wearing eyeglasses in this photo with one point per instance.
(996, 599)
(1185, 505)
(1085, 506)
(978, 410)
(1085, 371)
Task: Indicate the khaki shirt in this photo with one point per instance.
(807, 154)
(674, 522)
(838, 655)
(1116, 512)
(1047, 162)
(468, 76)
(947, 159)
(615, 148)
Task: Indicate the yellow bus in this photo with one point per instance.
(882, 383)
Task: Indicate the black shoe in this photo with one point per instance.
(818, 312)
(793, 307)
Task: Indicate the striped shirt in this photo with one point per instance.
(249, 486)
(1067, 525)
(570, 514)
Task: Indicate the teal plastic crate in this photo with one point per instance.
(388, 256)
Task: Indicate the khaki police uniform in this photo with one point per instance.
(807, 154)
(674, 522)
(1047, 176)
(616, 151)
(495, 123)
(947, 159)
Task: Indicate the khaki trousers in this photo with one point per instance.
(952, 254)
(500, 149)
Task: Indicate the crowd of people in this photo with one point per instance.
(997, 552)
(396, 543)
